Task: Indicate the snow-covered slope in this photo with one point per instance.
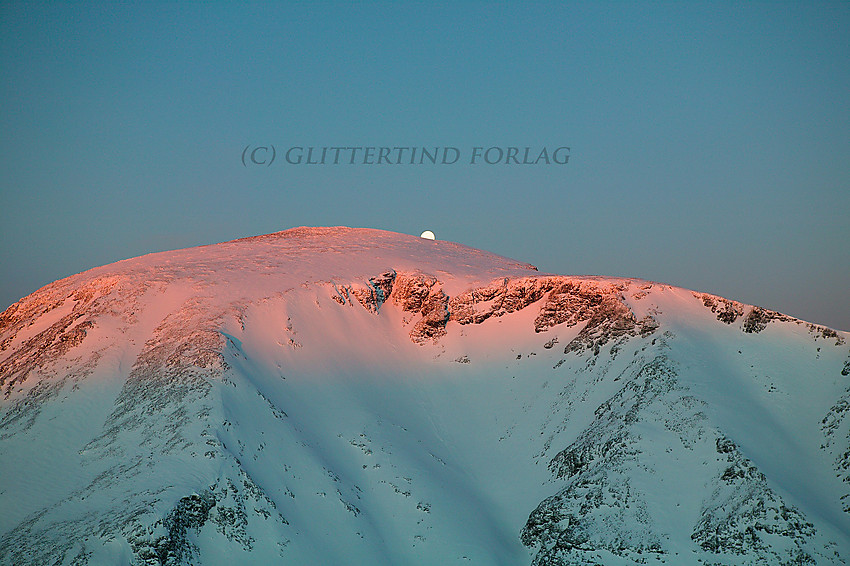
(349, 396)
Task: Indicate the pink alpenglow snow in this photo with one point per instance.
(355, 396)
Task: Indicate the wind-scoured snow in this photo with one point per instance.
(352, 396)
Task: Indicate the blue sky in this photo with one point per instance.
(710, 142)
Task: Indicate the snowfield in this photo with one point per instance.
(338, 396)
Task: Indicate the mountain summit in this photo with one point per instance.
(342, 396)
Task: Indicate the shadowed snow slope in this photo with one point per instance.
(336, 396)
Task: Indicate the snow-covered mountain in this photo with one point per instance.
(337, 396)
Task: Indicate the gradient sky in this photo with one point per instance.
(710, 142)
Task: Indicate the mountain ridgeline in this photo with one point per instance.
(352, 396)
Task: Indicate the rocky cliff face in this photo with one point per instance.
(568, 301)
(296, 398)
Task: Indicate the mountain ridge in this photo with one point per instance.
(243, 398)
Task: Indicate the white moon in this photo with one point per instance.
(428, 235)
